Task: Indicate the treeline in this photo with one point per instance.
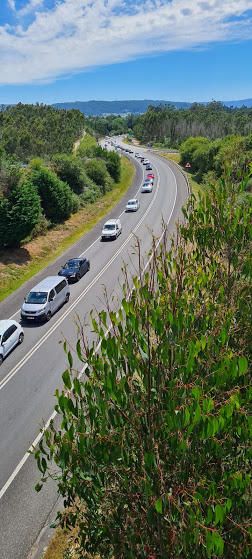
(169, 127)
(38, 130)
(153, 452)
(210, 160)
(111, 125)
(35, 198)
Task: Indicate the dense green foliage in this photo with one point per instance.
(70, 169)
(169, 127)
(19, 213)
(57, 199)
(111, 125)
(231, 155)
(153, 451)
(46, 190)
(39, 130)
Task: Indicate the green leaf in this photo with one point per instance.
(67, 379)
(70, 359)
(243, 365)
(159, 505)
(219, 514)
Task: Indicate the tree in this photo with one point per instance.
(57, 199)
(20, 212)
(70, 169)
(97, 171)
(112, 160)
(87, 146)
(153, 452)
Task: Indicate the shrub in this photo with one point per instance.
(20, 213)
(56, 196)
(97, 171)
(153, 453)
(87, 146)
(70, 169)
(90, 195)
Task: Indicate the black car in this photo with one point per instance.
(75, 268)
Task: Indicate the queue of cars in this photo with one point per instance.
(53, 292)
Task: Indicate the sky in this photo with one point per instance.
(180, 50)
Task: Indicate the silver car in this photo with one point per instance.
(45, 299)
(132, 205)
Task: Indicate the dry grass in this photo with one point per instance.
(63, 541)
(58, 545)
(19, 265)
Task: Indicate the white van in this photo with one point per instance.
(111, 229)
(45, 299)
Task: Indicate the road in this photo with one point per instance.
(30, 375)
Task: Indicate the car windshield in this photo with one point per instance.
(36, 298)
(72, 264)
(109, 226)
(131, 202)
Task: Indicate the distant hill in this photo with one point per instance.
(238, 104)
(101, 108)
(96, 108)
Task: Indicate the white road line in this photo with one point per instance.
(70, 308)
(40, 435)
(87, 249)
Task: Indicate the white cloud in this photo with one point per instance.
(79, 34)
(30, 7)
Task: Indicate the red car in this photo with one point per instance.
(150, 176)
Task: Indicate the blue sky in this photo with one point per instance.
(68, 50)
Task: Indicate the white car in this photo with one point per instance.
(111, 229)
(147, 187)
(132, 205)
(146, 162)
(11, 334)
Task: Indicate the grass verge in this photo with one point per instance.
(196, 188)
(19, 265)
(57, 546)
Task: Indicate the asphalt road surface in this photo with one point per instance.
(32, 372)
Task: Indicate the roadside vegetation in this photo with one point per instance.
(153, 454)
(169, 127)
(21, 263)
(48, 202)
(38, 131)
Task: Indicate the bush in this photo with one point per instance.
(153, 453)
(112, 160)
(57, 199)
(90, 195)
(97, 171)
(87, 146)
(20, 213)
(70, 169)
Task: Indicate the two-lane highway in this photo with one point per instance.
(30, 375)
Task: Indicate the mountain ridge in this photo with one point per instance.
(138, 106)
(99, 108)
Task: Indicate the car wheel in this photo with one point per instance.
(78, 277)
(88, 268)
(67, 297)
(21, 338)
(48, 316)
(1, 359)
